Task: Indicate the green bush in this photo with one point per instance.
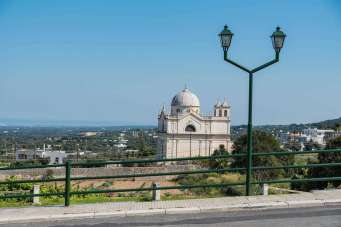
(212, 178)
(219, 163)
(333, 171)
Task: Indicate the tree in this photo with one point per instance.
(331, 157)
(219, 163)
(293, 146)
(262, 142)
(337, 126)
(311, 145)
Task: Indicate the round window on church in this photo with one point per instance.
(190, 128)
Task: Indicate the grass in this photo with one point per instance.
(44, 201)
(4, 164)
(303, 159)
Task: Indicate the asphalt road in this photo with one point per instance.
(302, 217)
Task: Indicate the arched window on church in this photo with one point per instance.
(220, 113)
(190, 128)
(225, 113)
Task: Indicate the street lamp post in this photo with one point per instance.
(277, 38)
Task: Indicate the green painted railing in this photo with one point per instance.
(69, 165)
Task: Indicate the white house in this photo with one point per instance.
(317, 135)
(54, 157)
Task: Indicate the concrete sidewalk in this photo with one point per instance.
(30, 214)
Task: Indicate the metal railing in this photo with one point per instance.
(69, 165)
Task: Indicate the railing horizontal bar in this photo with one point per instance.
(295, 152)
(172, 159)
(33, 167)
(297, 180)
(206, 171)
(174, 173)
(297, 166)
(161, 174)
(32, 181)
(157, 188)
(30, 195)
(157, 160)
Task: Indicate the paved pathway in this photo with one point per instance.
(316, 198)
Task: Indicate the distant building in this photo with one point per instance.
(317, 135)
(120, 145)
(292, 137)
(185, 132)
(88, 134)
(135, 134)
(331, 135)
(53, 157)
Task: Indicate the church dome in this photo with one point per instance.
(185, 98)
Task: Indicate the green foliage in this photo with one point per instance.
(14, 186)
(219, 163)
(309, 185)
(262, 142)
(292, 146)
(309, 146)
(334, 123)
(331, 157)
(107, 184)
(212, 178)
(333, 171)
(40, 161)
(93, 163)
(49, 174)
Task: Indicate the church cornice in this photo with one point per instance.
(202, 118)
(194, 134)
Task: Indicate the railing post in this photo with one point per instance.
(156, 194)
(265, 189)
(36, 191)
(67, 183)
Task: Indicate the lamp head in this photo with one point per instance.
(225, 38)
(278, 38)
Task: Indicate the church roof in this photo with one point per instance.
(185, 98)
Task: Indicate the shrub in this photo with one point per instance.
(262, 142)
(219, 163)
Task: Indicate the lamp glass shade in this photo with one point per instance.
(225, 38)
(278, 38)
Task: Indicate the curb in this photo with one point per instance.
(170, 211)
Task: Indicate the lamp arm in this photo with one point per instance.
(266, 64)
(235, 63)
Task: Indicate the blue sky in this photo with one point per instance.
(118, 62)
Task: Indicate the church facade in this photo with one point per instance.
(185, 132)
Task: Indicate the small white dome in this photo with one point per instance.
(218, 104)
(185, 98)
(225, 103)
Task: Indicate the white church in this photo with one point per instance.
(185, 132)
